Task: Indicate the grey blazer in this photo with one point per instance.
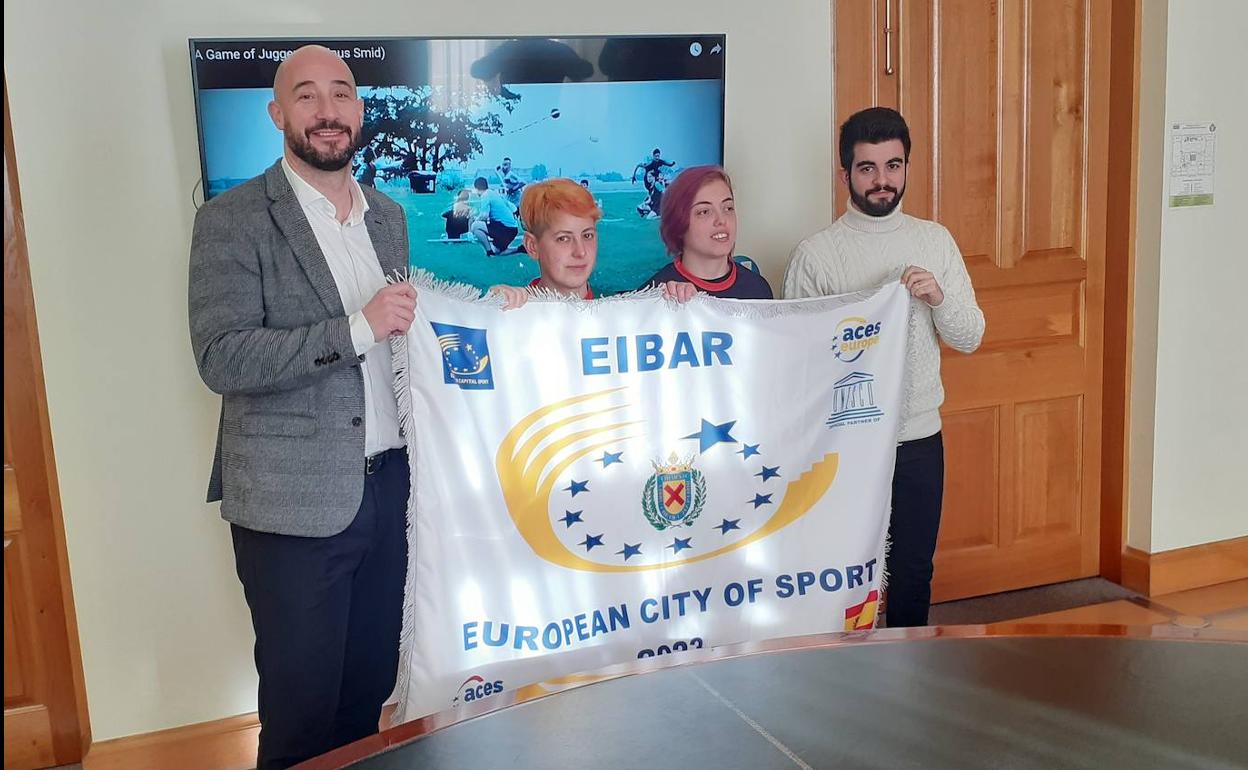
(271, 336)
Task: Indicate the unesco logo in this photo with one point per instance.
(853, 401)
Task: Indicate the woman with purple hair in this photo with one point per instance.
(699, 229)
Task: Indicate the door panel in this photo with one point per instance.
(1007, 105)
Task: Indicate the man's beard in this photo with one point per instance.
(301, 146)
(872, 209)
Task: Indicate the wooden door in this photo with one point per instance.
(1007, 104)
(44, 722)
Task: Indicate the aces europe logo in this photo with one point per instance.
(854, 336)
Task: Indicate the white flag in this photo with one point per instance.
(599, 482)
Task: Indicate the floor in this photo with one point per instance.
(1223, 606)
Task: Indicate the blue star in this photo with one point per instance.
(729, 524)
(629, 550)
(710, 435)
(577, 487)
(749, 450)
(572, 517)
(591, 541)
(610, 457)
(680, 544)
(761, 500)
(769, 473)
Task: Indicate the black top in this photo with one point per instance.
(654, 164)
(737, 283)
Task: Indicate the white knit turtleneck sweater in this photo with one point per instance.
(861, 252)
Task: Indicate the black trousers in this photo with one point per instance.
(327, 613)
(918, 486)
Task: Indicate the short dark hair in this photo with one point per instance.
(506, 158)
(481, 183)
(873, 125)
(656, 151)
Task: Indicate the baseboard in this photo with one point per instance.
(223, 744)
(1185, 568)
(1135, 570)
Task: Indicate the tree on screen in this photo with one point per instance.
(421, 130)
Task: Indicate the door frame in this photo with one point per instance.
(66, 696)
(1122, 174)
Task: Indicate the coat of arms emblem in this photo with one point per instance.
(674, 494)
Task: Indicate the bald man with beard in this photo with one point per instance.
(290, 315)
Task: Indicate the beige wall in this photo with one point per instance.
(104, 128)
(1190, 381)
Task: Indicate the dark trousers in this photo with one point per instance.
(918, 486)
(327, 613)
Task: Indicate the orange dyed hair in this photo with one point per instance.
(542, 200)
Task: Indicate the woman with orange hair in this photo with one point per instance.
(561, 221)
(562, 235)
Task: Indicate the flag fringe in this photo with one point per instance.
(423, 280)
(407, 423)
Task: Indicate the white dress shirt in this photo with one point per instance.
(357, 274)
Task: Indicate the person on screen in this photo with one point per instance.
(699, 230)
(562, 236)
(289, 315)
(658, 185)
(495, 225)
(368, 173)
(652, 176)
(871, 244)
(513, 186)
(597, 201)
(458, 217)
(652, 166)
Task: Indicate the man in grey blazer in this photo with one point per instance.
(290, 313)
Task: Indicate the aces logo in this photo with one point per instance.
(854, 335)
(475, 688)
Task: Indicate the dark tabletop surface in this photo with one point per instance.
(943, 702)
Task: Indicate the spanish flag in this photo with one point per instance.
(862, 615)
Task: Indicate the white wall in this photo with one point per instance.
(104, 129)
(1150, 183)
(1200, 449)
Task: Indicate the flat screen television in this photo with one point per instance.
(621, 115)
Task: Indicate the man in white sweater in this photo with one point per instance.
(874, 242)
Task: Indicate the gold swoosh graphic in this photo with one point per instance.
(520, 474)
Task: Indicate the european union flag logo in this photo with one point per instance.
(465, 356)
